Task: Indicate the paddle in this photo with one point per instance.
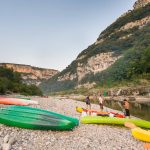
(130, 125)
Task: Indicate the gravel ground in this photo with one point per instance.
(83, 137)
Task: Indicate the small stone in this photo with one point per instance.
(6, 138)
(6, 146)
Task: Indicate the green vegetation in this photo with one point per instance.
(81, 91)
(130, 17)
(134, 63)
(54, 86)
(10, 82)
(133, 44)
(111, 35)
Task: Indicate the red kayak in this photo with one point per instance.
(118, 115)
(15, 101)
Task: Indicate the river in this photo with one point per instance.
(140, 110)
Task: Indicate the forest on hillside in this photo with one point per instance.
(135, 50)
(11, 82)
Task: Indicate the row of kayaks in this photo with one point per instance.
(99, 113)
(114, 121)
(117, 119)
(138, 133)
(34, 118)
(104, 118)
(25, 115)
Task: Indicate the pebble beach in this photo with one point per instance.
(83, 137)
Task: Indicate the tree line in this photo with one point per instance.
(11, 82)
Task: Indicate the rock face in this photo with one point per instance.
(96, 64)
(140, 3)
(102, 61)
(106, 51)
(30, 74)
(137, 23)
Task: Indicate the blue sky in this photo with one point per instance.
(51, 33)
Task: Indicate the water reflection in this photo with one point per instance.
(136, 109)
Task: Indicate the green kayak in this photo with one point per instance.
(26, 98)
(113, 120)
(34, 120)
(42, 111)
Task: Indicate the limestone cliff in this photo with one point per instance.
(109, 48)
(102, 61)
(94, 64)
(30, 74)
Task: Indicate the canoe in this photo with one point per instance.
(34, 120)
(16, 101)
(79, 109)
(42, 112)
(115, 121)
(141, 134)
(12, 101)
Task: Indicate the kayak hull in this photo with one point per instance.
(42, 111)
(113, 120)
(34, 120)
(141, 134)
(16, 101)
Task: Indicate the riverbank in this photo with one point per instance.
(139, 105)
(83, 137)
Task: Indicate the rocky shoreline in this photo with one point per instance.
(83, 137)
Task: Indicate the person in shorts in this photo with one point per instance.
(127, 107)
(101, 102)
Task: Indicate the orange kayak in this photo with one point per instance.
(15, 101)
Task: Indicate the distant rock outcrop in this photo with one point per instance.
(30, 74)
(140, 3)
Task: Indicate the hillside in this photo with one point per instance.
(30, 74)
(121, 52)
(11, 82)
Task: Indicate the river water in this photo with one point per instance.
(140, 110)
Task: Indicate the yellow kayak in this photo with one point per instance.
(141, 134)
(79, 109)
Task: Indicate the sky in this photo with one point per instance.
(51, 33)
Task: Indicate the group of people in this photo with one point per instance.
(100, 100)
(125, 104)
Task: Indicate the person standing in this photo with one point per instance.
(88, 102)
(101, 102)
(127, 107)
